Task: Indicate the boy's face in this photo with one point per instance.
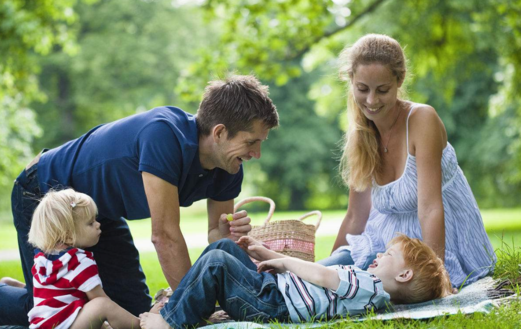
(389, 265)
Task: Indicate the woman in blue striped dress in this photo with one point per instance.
(402, 173)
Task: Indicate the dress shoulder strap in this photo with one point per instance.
(413, 106)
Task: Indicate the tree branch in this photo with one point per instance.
(367, 10)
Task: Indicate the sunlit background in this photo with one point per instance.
(69, 65)
(66, 66)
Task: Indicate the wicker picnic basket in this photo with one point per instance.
(290, 237)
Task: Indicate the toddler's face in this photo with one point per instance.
(88, 234)
(388, 265)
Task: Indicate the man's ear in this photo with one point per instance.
(405, 276)
(219, 132)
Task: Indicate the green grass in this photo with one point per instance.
(503, 227)
(497, 222)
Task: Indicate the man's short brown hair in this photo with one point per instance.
(236, 102)
(430, 278)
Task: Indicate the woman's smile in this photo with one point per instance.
(373, 110)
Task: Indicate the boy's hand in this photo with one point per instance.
(246, 241)
(253, 248)
(273, 265)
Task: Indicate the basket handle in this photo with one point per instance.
(311, 213)
(257, 198)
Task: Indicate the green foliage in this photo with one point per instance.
(26, 28)
(463, 59)
(131, 54)
(297, 159)
(265, 37)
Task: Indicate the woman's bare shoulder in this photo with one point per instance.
(425, 124)
(424, 115)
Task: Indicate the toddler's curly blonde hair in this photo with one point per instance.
(56, 220)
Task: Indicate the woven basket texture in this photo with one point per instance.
(290, 237)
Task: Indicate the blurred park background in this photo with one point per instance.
(69, 65)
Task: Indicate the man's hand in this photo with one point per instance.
(254, 248)
(274, 265)
(239, 225)
(219, 227)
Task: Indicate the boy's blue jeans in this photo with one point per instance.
(225, 273)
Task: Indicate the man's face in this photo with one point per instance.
(389, 265)
(242, 147)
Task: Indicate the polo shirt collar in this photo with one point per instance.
(197, 169)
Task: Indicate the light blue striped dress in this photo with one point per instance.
(468, 252)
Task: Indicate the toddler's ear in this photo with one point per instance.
(405, 276)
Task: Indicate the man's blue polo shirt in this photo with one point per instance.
(106, 163)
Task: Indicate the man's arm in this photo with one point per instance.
(219, 227)
(163, 201)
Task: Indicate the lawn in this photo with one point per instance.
(503, 227)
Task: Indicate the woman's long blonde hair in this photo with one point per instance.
(362, 160)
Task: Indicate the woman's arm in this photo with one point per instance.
(356, 217)
(428, 139)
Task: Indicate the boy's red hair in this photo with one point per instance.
(430, 279)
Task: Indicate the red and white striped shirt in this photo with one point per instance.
(60, 286)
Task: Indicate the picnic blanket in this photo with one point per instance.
(481, 296)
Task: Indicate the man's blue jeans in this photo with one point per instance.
(116, 256)
(225, 273)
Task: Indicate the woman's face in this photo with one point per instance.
(375, 90)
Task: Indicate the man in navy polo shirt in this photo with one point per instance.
(148, 165)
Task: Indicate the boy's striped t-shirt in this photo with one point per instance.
(358, 292)
(60, 285)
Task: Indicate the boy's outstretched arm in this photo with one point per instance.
(312, 272)
(256, 250)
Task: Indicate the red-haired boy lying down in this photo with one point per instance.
(295, 290)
